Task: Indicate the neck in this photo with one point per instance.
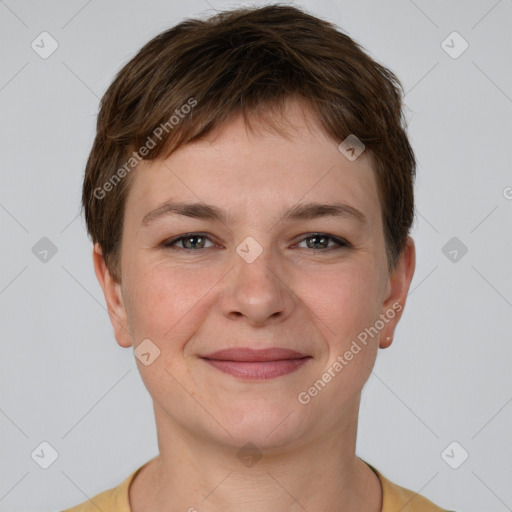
(194, 475)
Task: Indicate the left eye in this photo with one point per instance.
(195, 241)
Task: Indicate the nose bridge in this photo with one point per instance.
(256, 289)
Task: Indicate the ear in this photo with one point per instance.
(113, 298)
(397, 289)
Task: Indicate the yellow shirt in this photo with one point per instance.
(394, 499)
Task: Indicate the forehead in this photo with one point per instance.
(251, 170)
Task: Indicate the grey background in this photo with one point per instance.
(447, 376)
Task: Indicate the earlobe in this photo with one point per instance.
(397, 288)
(113, 298)
(386, 343)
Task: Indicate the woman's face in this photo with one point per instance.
(256, 279)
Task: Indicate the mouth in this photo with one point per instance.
(253, 364)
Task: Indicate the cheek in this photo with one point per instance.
(351, 307)
(167, 306)
(346, 300)
(165, 302)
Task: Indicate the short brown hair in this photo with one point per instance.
(243, 61)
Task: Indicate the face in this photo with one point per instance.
(269, 271)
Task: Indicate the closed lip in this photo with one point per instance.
(242, 354)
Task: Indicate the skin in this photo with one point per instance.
(190, 302)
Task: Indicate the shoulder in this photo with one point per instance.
(395, 497)
(112, 500)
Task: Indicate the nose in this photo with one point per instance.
(257, 292)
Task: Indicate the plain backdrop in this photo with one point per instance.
(446, 378)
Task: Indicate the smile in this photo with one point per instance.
(256, 364)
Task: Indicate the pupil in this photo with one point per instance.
(191, 238)
(315, 238)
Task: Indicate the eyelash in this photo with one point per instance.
(341, 243)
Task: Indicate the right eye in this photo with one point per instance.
(189, 242)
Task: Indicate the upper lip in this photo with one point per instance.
(254, 355)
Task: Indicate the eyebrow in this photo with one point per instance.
(303, 211)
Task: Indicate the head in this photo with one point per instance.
(243, 114)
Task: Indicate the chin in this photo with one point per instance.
(267, 428)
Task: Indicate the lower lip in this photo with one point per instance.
(258, 370)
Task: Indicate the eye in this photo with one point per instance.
(189, 241)
(321, 241)
(196, 241)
